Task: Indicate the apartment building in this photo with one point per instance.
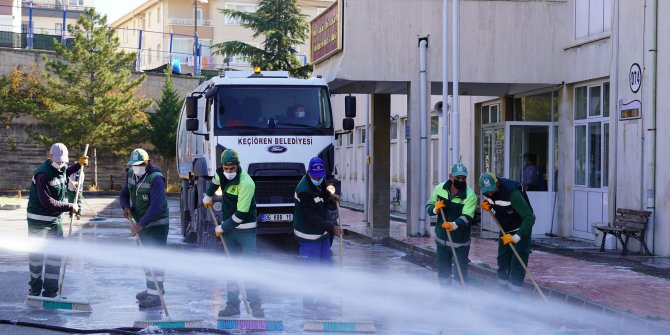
(167, 29)
(574, 82)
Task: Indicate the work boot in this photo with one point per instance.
(34, 293)
(257, 311)
(143, 295)
(150, 301)
(50, 293)
(230, 310)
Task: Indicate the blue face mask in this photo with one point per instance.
(316, 182)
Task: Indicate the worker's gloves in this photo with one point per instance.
(337, 231)
(438, 206)
(485, 205)
(507, 239)
(207, 201)
(334, 197)
(72, 209)
(83, 160)
(127, 212)
(450, 226)
(218, 231)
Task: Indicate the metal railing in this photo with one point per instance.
(188, 22)
(52, 4)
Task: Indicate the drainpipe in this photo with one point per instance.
(423, 44)
(455, 140)
(367, 159)
(649, 113)
(444, 124)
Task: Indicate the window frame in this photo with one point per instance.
(603, 136)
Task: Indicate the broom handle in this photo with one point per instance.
(341, 255)
(243, 290)
(453, 251)
(518, 257)
(63, 265)
(153, 275)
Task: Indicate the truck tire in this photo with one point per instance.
(205, 228)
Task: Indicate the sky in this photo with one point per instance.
(116, 8)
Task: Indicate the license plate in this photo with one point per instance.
(277, 217)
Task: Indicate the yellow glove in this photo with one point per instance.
(450, 226)
(218, 231)
(83, 160)
(439, 205)
(507, 239)
(207, 201)
(485, 205)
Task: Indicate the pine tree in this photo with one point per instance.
(93, 92)
(164, 122)
(283, 27)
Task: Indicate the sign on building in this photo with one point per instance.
(630, 110)
(326, 33)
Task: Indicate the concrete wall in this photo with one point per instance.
(21, 154)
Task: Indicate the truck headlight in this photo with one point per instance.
(218, 192)
(331, 189)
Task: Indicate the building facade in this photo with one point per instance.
(165, 29)
(575, 83)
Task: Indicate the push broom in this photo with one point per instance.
(518, 257)
(340, 325)
(59, 302)
(168, 323)
(236, 323)
(453, 251)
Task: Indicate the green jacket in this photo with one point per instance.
(460, 210)
(311, 220)
(140, 198)
(239, 200)
(512, 208)
(57, 189)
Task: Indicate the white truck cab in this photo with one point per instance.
(275, 123)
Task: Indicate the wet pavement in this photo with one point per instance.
(619, 299)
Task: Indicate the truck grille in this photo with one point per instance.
(275, 191)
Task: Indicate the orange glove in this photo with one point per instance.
(507, 239)
(450, 226)
(439, 205)
(207, 201)
(218, 231)
(485, 205)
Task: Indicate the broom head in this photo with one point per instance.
(57, 303)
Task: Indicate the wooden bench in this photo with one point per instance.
(627, 223)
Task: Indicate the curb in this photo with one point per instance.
(9, 207)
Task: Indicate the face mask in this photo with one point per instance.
(459, 185)
(230, 176)
(316, 182)
(139, 170)
(58, 166)
(300, 114)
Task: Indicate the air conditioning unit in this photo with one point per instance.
(394, 195)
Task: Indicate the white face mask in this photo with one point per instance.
(58, 166)
(300, 114)
(230, 176)
(139, 170)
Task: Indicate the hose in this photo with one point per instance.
(120, 331)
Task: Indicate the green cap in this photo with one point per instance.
(229, 157)
(458, 169)
(487, 182)
(138, 156)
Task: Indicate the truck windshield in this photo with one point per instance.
(273, 109)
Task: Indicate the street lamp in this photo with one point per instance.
(195, 34)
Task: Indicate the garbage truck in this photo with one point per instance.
(276, 124)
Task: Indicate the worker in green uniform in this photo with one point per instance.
(508, 202)
(238, 224)
(46, 205)
(143, 198)
(458, 202)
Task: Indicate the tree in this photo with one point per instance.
(92, 91)
(283, 27)
(21, 93)
(164, 122)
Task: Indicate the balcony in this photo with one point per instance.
(174, 21)
(54, 4)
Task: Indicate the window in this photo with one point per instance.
(434, 125)
(198, 13)
(394, 129)
(594, 101)
(490, 113)
(592, 135)
(76, 2)
(592, 17)
(339, 141)
(158, 16)
(606, 99)
(580, 155)
(580, 103)
(538, 107)
(59, 29)
(361, 135)
(350, 139)
(242, 7)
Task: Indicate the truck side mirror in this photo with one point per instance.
(192, 124)
(350, 106)
(348, 124)
(192, 107)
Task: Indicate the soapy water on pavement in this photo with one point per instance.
(392, 298)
